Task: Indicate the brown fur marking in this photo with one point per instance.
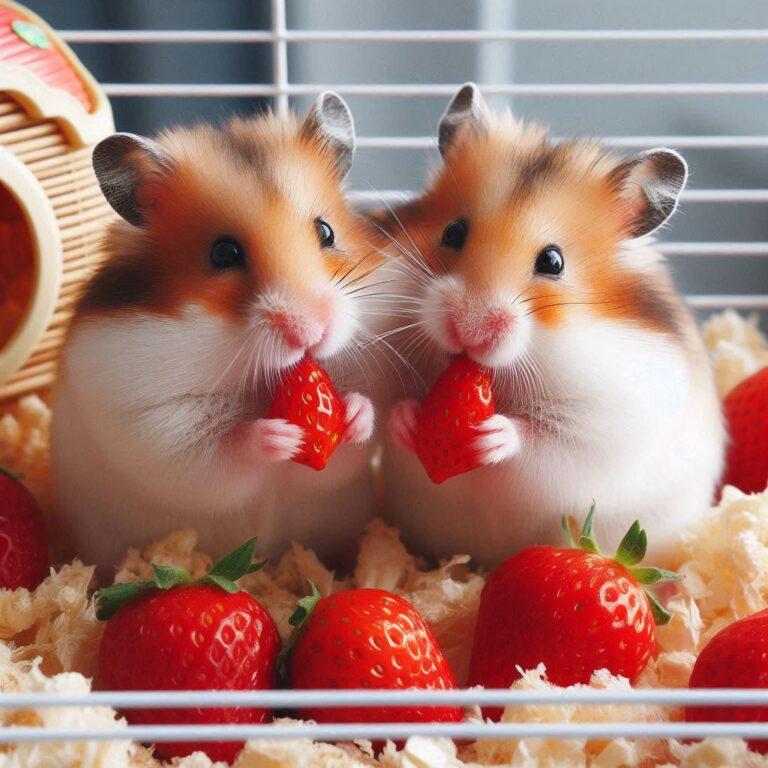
(261, 181)
(520, 193)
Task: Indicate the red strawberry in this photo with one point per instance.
(366, 638)
(575, 610)
(736, 657)
(306, 397)
(460, 399)
(746, 414)
(23, 552)
(176, 634)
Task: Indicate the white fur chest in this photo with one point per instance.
(140, 405)
(610, 414)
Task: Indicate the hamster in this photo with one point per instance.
(532, 258)
(237, 254)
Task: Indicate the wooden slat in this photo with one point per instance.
(67, 178)
(42, 153)
(76, 249)
(13, 120)
(38, 370)
(63, 314)
(34, 131)
(40, 356)
(89, 196)
(51, 340)
(85, 210)
(72, 290)
(53, 166)
(21, 384)
(83, 263)
(90, 228)
(79, 181)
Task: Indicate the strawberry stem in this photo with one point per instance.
(224, 575)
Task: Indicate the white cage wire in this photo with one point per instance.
(474, 727)
(281, 89)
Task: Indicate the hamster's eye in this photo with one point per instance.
(227, 253)
(324, 233)
(549, 261)
(455, 234)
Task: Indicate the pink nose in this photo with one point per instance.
(298, 329)
(481, 328)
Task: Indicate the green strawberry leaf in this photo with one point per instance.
(633, 546)
(654, 575)
(236, 563)
(305, 607)
(167, 577)
(567, 532)
(586, 528)
(31, 34)
(226, 584)
(111, 599)
(631, 551)
(17, 476)
(299, 618)
(660, 615)
(224, 575)
(587, 540)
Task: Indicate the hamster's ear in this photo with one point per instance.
(649, 185)
(330, 122)
(130, 170)
(467, 107)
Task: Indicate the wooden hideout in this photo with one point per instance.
(52, 212)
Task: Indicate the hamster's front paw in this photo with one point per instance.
(402, 423)
(360, 418)
(498, 439)
(275, 439)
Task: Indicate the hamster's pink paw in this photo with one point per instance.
(499, 439)
(276, 439)
(360, 418)
(402, 423)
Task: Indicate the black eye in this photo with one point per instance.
(455, 234)
(549, 261)
(324, 233)
(227, 253)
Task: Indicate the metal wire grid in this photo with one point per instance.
(474, 728)
(281, 89)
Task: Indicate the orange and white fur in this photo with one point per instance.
(530, 257)
(237, 254)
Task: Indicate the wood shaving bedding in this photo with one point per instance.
(49, 637)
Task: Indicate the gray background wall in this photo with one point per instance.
(492, 62)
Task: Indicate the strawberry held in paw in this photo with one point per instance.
(447, 422)
(23, 553)
(575, 610)
(366, 638)
(173, 633)
(307, 398)
(734, 658)
(746, 415)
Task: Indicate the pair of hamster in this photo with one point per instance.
(238, 254)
